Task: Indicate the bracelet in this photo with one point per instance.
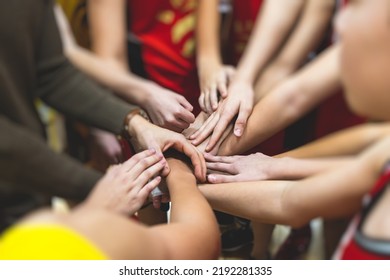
(125, 131)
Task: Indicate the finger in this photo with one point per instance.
(186, 116)
(241, 121)
(219, 130)
(224, 159)
(131, 162)
(203, 126)
(145, 169)
(220, 178)
(178, 126)
(214, 99)
(222, 88)
(206, 131)
(207, 100)
(184, 102)
(165, 171)
(147, 189)
(220, 167)
(197, 159)
(149, 173)
(201, 101)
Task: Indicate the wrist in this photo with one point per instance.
(281, 168)
(207, 62)
(133, 122)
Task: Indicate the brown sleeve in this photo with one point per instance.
(27, 161)
(64, 88)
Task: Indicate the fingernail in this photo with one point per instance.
(153, 150)
(210, 178)
(237, 132)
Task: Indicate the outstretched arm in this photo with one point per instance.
(305, 38)
(191, 234)
(172, 112)
(288, 102)
(266, 39)
(329, 152)
(297, 202)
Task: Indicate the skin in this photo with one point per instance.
(362, 46)
(108, 64)
(259, 51)
(103, 218)
(111, 74)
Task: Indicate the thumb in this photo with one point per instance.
(241, 121)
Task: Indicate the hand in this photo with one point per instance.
(146, 135)
(216, 149)
(213, 80)
(239, 101)
(253, 167)
(196, 125)
(104, 149)
(167, 109)
(125, 187)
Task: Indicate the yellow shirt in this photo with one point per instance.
(46, 242)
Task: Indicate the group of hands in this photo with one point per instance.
(226, 105)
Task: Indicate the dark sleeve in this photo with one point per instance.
(64, 88)
(27, 162)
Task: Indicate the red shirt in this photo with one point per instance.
(166, 31)
(244, 18)
(354, 245)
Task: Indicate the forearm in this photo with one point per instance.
(189, 213)
(307, 34)
(261, 48)
(288, 168)
(288, 102)
(107, 25)
(331, 194)
(347, 142)
(124, 84)
(207, 34)
(185, 196)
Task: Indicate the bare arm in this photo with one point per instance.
(213, 75)
(343, 143)
(172, 112)
(108, 30)
(288, 102)
(335, 193)
(240, 97)
(272, 26)
(181, 239)
(306, 36)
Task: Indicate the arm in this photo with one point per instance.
(240, 98)
(181, 239)
(107, 23)
(213, 76)
(332, 151)
(297, 202)
(288, 102)
(256, 167)
(306, 36)
(28, 164)
(347, 142)
(60, 85)
(269, 33)
(127, 86)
